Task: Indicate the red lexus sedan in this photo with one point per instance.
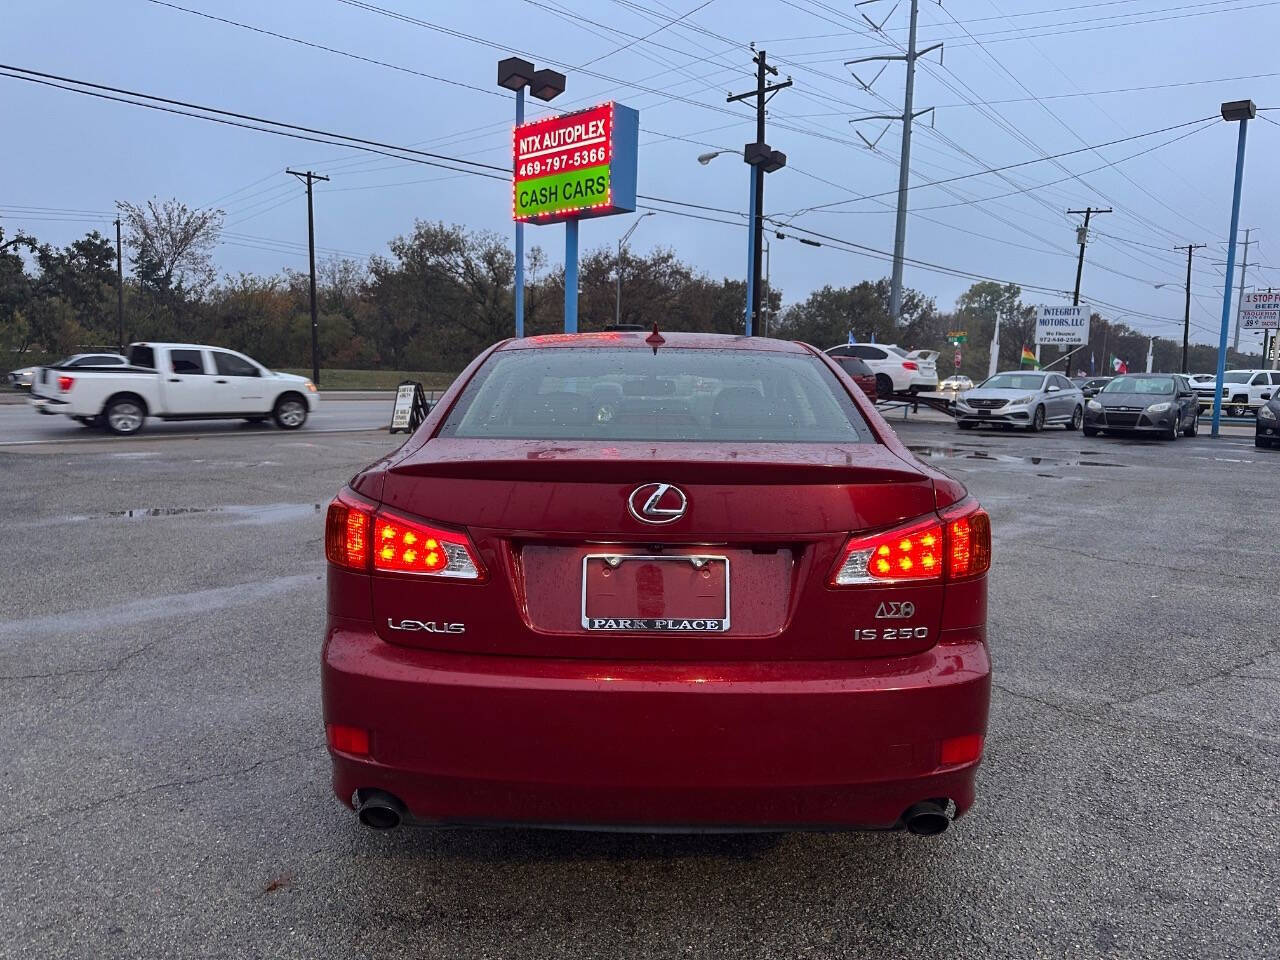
(680, 582)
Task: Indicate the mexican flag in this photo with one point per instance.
(1028, 357)
(1118, 365)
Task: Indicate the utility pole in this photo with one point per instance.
(1186, 315)
(308, 178)
(904, 157)
(119, 288)
(1082, 236)
(762, 160)
(1244, 266)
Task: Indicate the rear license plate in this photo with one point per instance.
(673, 594)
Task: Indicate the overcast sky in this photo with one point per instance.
(74, 156)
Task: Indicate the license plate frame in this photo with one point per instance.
(665, 624)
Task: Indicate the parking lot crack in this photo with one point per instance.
(85, 671)
(178, 784)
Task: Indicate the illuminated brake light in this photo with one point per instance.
(913, 554)
(408, 546)
(346, 535)
(66, 383)
(959, 546)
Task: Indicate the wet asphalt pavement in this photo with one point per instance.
(166, 787)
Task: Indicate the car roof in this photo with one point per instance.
(178, 346)
(639, 340)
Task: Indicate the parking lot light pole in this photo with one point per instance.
(516, 74)
(1237, 111)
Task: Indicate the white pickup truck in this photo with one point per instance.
(174, 381)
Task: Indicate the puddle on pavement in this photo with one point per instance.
(240, 513)
(960, 453)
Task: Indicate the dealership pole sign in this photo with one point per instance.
(573, 167)
(1259, 310)
(1062, 326)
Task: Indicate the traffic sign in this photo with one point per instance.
(958, 336)
(1259, 310)
(957, 359)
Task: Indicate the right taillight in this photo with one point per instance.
(956, 549)
(346, 534)
(968, 542)
(66, 383)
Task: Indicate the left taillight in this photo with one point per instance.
(910, 365)
(346, 534)
(956, 547)
(66, 383)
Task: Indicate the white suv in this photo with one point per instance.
(896, 370)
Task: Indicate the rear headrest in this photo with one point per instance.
(740, 407)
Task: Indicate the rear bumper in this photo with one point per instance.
(48, 405)
(463, 739)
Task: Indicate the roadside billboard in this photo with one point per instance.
(1259, 310)
(1062, 326)
(575, 165)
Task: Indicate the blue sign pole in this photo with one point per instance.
(752, 266)
(571, 276)
(519, 237)
(1231, 266)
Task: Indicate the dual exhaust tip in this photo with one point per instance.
(927, 818)
(380, 810)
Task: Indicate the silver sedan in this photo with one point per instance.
(1030, 399)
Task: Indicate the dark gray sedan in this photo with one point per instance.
(1268, 429)
(1159, 403)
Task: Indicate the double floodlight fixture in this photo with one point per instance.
(763, 156)
(515, 73)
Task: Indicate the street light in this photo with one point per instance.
(761, 159)
(1235, 111)
(622, 242)
(516, 74)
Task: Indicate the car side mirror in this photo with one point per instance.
(1266, 397)
(1054, 388)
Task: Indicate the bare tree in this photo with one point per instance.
(172, 244)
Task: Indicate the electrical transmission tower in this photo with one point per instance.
(906, 117)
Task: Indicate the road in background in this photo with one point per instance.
(20, 424)
(167, 789)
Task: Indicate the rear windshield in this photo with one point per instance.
(602, 393)
(1154, 385)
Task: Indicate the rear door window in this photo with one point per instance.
(618, 394)
(190, 362)
(869, 353)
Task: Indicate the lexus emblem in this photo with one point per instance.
(657, 503)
